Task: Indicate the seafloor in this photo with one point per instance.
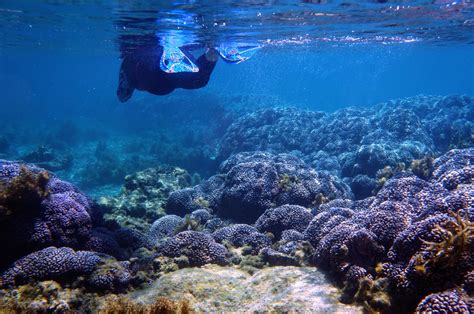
(254, 208)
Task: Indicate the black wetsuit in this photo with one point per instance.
(141, 70)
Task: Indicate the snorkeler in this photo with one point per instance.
(160, 71)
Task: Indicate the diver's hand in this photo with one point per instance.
(212, 55)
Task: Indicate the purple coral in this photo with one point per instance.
(258, 181)
(204, 196)
(50, 263)
(357, 141)
(67, 221)
(200, 248)
(162, 228)
(454, 168)
(240, 235)
(446, 302)
(130, 238)
(111, 276)
(104, 241)
(61, 218)
(392, 229)
(277, 220)
(274, 129)
(250, 183)
(325, 221)
(291, 235)
(201, 215)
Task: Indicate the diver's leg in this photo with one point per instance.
(125, 87)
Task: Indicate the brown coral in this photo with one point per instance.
(423, 168)
(42, 297)
(24, 191)
(456, 236)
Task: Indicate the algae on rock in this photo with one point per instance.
(142, 197)
(221, 289)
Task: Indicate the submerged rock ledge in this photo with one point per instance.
(215, 288)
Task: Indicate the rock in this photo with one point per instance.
(225, 289)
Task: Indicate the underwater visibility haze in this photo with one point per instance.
(236, 156)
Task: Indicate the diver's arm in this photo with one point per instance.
(187, 80)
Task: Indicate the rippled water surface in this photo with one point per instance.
(99, 24)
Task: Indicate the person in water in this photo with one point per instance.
(160, 70)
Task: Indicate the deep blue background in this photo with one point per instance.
(60, 84)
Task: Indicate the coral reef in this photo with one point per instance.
(380, 199)
(162, 228)
(201, 215)
(190, 223)
(43, 297)
(446, 302)
(240, 235)
(259, 131)
(49, 212)
(416, 233)
(104, 241)
(214, 224)
(110, 276)
(454, 168)
(142, 197)
(199, 248)
(358, 141)
(206, 196)
(286, 217)
(275, 258)
(250, 183)
(24, 190)
(50, 263)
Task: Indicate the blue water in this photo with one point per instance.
(59, 61)
(321, 79)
